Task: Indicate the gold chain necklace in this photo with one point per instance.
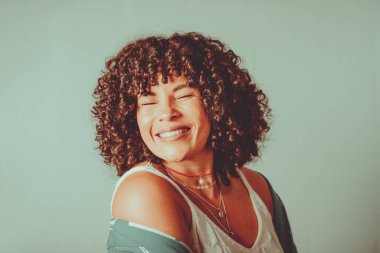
(198, 187)
(221, 213)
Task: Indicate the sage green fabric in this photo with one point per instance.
(125, 238)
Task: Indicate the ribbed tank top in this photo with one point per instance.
(207, 236)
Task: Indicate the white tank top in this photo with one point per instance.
(207, 236)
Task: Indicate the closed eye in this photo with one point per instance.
(185, 96)
(148, 103)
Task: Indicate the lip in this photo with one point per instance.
(175, 137)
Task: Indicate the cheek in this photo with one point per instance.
(143, 122)
(207, 129)
(203, 122)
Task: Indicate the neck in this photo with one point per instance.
(186, 171)
(199, 165)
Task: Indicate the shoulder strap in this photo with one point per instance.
(124, 176)
(281, 222)
(149, 168)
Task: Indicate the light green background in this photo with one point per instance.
(318, 61)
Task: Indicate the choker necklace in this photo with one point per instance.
(197, 187)
(200, 181)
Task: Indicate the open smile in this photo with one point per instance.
(173, 135)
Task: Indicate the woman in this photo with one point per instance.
(178, 118)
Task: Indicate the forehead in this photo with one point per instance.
(173, 84)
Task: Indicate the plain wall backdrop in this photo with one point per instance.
(318, 62)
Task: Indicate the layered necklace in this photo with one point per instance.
(200, 181)
(220, 209)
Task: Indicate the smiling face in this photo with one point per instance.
(172, 120)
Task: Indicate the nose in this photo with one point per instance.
(168, 111)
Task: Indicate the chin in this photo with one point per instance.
(173, 156)
(176, 158)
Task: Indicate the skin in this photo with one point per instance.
(170, 105)
(150, 200)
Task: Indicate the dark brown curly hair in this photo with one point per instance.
(237, 109)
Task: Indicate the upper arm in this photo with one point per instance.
(149, 200)
(260, 185)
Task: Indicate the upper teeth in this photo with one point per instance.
(172, 133)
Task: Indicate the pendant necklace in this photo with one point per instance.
(200, 180)
(196, 187)
(222, 213)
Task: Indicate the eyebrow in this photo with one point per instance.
(177, 88)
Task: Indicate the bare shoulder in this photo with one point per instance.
(151, 200)
(260, 186)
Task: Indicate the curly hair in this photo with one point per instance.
(237, 109)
